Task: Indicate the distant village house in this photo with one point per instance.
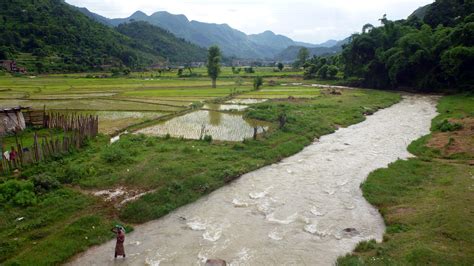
(11, 66)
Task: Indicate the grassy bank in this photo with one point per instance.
(176, 171)
(427, 202)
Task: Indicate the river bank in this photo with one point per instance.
(427, 202)
(66, 219)
(306, 209)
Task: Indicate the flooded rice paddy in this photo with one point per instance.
(306, 210)
(246, 101)
(225, 107)
(195, 125)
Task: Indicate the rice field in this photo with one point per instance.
(196, 125)
(141, 97)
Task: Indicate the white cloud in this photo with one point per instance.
(303, 20)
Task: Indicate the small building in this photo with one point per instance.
(11, 120)
(11, 66)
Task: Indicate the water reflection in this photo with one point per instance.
(221, 126)
(225, 107)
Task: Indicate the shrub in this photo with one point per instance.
(257, 83)
(365, 246)
(446, 126)
(25, 198)
(207, 138)
(249, 70)
(72, 173)
(150, 142)
(44, 183)
(114, 154)
(17, 192)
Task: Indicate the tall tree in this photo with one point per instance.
(214, 64)
(280, 66)
(303, 56)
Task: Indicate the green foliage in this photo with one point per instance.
(446, 126)
(366, 246)
(249, 70)
(20, 193)
(280, 66)
(207, 138)
(45, 183)
(303, 55)
(257, 83)
(214, 63)
(163, 42)
(63, 39)
(116, 154)
(434, 54)
(321, 67)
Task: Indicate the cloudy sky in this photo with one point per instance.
(312, 21)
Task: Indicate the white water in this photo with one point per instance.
(294, 212)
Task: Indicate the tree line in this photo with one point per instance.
(433, 52)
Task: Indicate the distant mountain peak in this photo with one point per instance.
(268, 32)
(139, 14)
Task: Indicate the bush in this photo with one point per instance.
(257, 83)
(207, 138)
(365, 246)
(114, 154)
(44, 183)
(25, 198)
(446, 126)
(73, 173)
(18, 192)
(249, 70)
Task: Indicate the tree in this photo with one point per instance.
(214, 64)
(280, 66)
(332, 71)
(323, 72)
(4, 54)
(303, 56)
(257, 83)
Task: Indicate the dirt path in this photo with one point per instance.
(306, 210)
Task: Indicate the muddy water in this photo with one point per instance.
(306, 210)
(195, 125)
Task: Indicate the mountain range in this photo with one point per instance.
(234, 43)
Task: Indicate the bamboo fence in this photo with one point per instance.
(76, 128)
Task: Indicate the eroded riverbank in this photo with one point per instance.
(307, 209)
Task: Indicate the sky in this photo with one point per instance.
(313, 21)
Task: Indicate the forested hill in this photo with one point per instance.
(52, 36)
(427, 52)
(56, 37)
(163, 42)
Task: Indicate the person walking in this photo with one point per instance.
(119, 248)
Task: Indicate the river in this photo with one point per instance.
(306, 210)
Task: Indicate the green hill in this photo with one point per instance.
(60, 38)
(163, 42)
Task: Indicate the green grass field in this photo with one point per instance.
(427, 202)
